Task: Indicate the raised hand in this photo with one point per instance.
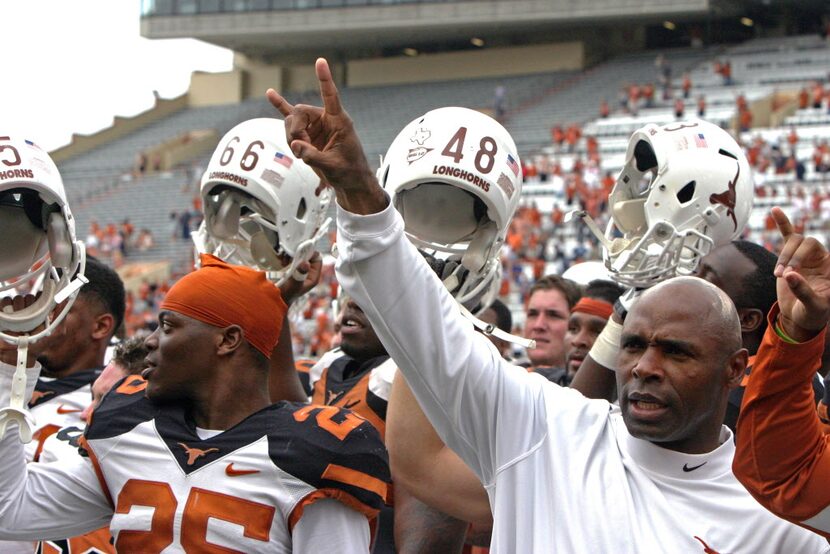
(325, 139)
(803, 285)
(306, 277)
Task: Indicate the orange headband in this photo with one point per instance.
(595, 307)
(221, 294)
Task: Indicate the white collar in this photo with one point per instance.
(670, 463)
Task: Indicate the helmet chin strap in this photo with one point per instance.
(15, 411)
(612, 246)
(304, 253)
(491, 330)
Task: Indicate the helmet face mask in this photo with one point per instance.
(699, 196)
(454, 175)
(262, 207)
(41, 256)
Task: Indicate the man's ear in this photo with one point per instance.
(103, 326)
(230, 339)
(751, 319)
(736, 368)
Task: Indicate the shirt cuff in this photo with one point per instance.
(772, 320)
(363, 236)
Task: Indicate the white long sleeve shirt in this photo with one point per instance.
(562, 472)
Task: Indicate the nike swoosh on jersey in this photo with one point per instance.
(687, 469)
(230, 471)
(62, 410)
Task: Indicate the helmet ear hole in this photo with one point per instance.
(686, 194)
(301, 209)
(384, 178)
(644, 156)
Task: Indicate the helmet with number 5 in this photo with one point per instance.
(699, 196)
(263, 207)
(39, 252)
(454, 175)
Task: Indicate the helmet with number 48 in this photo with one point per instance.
(455, 177)
(263, 208)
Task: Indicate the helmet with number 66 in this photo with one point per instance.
(263, 207)
(698, 197)
(39, 252)
(455, 177)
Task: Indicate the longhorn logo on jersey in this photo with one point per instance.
(194, 454)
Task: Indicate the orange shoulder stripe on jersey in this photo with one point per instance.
(335, 494)
(132, 385)
(304, 366)
(41, 435)
(355, 478)
(97, 467)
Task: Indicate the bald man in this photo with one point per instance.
(563, 473)
(196, 439)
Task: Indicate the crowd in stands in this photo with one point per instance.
(114, 241)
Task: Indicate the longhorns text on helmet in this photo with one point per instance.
(263, 207)
(454, 175)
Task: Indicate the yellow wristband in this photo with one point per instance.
(784, 336)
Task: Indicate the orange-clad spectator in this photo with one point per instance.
(701, 106)
(741, 102)
(679, 108)
(803, 98)
(504, 289)
(648, 94)
(604, 110)
(570, 189)
(792, 138)
(821, 157)
(687, 85)
(557, 215)
(633, 98)
(572, 135)
(515, 240)
(753, 154)
(726, 73)
(534, 215)
(818, 95)
(592, 200)
(531, 172)
(592, 146)
(578, 166)
(557, 135)
(745, 120)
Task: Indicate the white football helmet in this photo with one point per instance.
(39, 251)
(454, 175)
(263, 208)
(39, 256)
(699, 196)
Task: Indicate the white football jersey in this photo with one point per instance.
(242, 489)
(58, 403)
